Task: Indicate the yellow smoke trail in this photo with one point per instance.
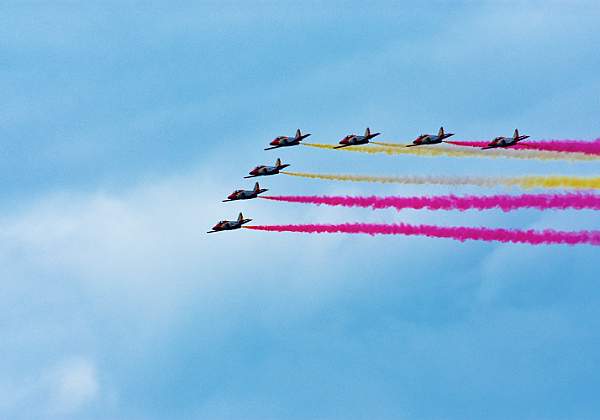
(434, 151)
(569, 182)
(554, 182)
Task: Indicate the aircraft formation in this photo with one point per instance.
(347, 141)
(542, 150)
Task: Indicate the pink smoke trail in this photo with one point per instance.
(570, 146)
(458, 233)
(452, 202)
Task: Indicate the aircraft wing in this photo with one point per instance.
(274, 147)
(489, 147)
(342, 145)
(212, 231)
(225, 201)
(251, 176)
(412, 145)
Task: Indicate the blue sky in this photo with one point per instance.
(124, 125)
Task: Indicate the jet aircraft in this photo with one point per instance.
(264, 170)
(505, 141)
(245, 194)
(284, 141)
(230, 224)
(430, 138)
(355, 139)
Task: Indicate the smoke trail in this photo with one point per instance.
(570, 182)
(452, 202)
(569, 146)
(458, 233)
(434, 151)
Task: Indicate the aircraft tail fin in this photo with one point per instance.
(298, 134)
(516, 135)
(367, 132)
(441, 132)
(240, 217)
(278, 162)
(256, 187)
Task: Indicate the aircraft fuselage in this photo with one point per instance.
(285, 141)
(244, 194)
(505, 141)
(229, 225)
(355, 140)
(424, 139)
(266, 170)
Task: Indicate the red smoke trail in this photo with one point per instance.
(452, 202)
(458, 233)
(570, 146)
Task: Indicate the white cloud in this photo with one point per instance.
(75, 384)
(58, 389)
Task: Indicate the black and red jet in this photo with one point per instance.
(245, 194)
(355, 139)
(264, 170)
(424, 139)
(285, 141)
(229, 224)
(505, 141)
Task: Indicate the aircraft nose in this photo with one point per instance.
(231, 196)
(274, 142)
